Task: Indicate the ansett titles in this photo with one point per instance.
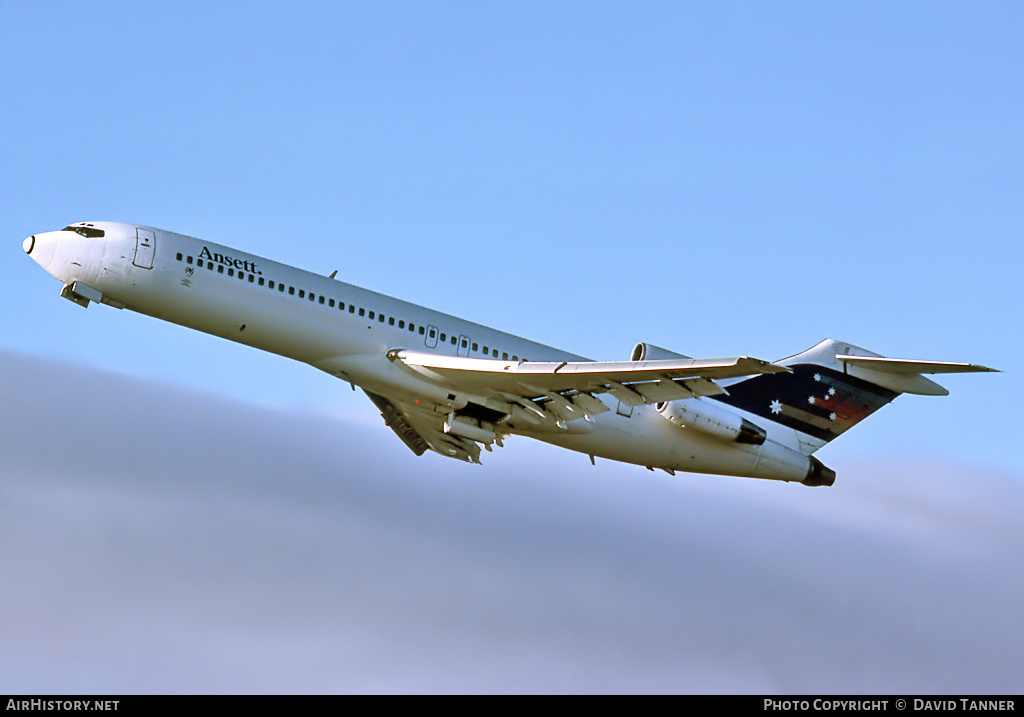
(243, 264)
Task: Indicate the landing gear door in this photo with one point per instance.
(145, 247)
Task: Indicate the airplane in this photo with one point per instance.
(456, 387)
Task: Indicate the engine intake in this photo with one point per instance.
(650, 352)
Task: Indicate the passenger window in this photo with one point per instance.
(351, 309)
(180, 257)
(476, 347)
(421, 331)
(433, 332)
(391, 321)
(485, 350)
(330, 302)
(261, 281)
(401, 324)
(252, 278)
(280, 287)
(464, 343)
(231, 272)
(220, 268)
(291, 291)
(188, 260)
(504, 356)
(199, 263)
(270, 284)
(454, 341)
(302, 293)
(443, 338)
(494, 353)
(371, 315)
(362, 312)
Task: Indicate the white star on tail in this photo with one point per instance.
(776, 406)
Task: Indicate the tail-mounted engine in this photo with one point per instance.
(650, 352)
(699, 415)
(712, 420)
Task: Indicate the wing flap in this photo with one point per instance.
(420, 431)
(397, 422)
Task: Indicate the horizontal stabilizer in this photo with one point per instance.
(904, 375)
(891, 365)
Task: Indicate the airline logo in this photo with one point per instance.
(816, 400)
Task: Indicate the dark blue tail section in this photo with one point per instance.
(818, 398)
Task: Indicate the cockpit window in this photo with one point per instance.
(88, 232)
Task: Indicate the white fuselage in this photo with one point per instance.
(347, 331)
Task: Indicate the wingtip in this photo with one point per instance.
(766, 366)
(772, 367)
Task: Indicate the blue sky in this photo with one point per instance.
(719, 179)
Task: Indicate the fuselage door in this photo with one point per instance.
(431, 338)
(145, 247)
(463, 346)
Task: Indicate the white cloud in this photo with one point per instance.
(154, 539)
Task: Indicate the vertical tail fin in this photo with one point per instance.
(832, 387)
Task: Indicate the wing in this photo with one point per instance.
(632, 382)
(498, 397)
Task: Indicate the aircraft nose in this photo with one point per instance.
(41, 247)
